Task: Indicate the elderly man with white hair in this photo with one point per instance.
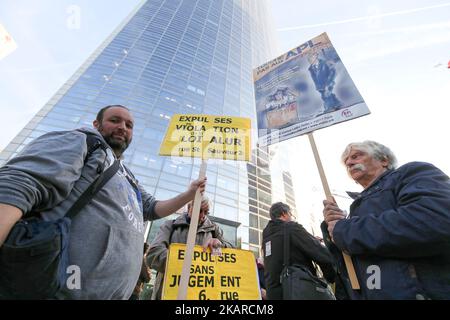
(208, 234)
(398, 229)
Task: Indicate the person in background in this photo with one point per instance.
(304, 250)
(398, 230)
(209, 235)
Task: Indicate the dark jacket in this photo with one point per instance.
(304, 249)
(401, 225)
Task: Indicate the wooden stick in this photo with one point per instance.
(185, 273)
(347, 259)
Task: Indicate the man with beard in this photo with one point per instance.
(398, 230)
(107, 235)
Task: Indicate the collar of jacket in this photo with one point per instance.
(184, 220)
(279, 222)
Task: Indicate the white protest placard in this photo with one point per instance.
(303, 90)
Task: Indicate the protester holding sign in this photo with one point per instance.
(49, 176)
(208, 234)
(204, 136)
(304, 249)
(398, 232)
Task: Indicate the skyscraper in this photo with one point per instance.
(177, 56)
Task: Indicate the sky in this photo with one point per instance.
(395, 51)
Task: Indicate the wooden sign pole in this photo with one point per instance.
(185, 273)
(347, 259)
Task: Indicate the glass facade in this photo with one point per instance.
(178, 56)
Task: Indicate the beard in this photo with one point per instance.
(118, 146)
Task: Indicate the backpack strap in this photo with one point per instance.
(215, 231)
(93, 142)
(172, 229)
(90, 192)
(286, 245)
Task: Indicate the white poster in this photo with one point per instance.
(305, 89)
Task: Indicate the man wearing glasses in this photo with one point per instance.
(209, 235)
(304, 250)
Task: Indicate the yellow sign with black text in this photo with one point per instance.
(207, 137)
(230, 276)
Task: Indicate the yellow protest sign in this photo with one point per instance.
(206, 137)
(231, 276)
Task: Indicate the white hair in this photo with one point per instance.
(204, 198)
(374, 149)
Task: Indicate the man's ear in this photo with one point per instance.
(96, 124)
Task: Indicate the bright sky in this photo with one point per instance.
(395, 51)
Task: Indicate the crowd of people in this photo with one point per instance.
(397, 232)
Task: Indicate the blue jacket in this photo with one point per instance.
(399, 228)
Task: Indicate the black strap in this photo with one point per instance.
(286, 245)
(172, 230)
(287, 290)
(93, 142)
(90, 192)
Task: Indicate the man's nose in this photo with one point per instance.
(122, 125)
(349, 163)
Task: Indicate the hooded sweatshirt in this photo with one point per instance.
(107, 235)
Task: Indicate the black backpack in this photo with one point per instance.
(34, 257)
